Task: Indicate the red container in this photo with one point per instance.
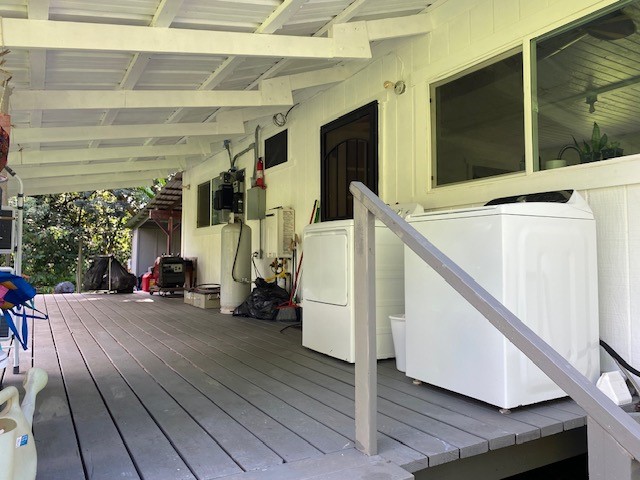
(146, 281)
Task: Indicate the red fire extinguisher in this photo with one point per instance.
(260, 174)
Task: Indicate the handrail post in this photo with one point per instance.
(366, 375)
(608, 460)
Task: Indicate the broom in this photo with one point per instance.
(287, 310)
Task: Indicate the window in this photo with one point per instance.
(349, 152)
(478, 122)
(587, 90)
(204, 205)
(275, 149)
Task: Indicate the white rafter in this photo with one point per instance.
(36, 171)
(272, 94)
(75, 185)
(79, 155)
(25, 136)
(347, 42)
(84, 183)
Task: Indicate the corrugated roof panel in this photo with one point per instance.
(71, 118)
(122, 142)
(237, 15)
(14, 8)
(142, 116)
(125, 12)
(319, 11)
(177, 72)
(85, 71)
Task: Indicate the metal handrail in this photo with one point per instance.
(617, 423)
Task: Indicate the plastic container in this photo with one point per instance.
(146, 282)
(398, 332)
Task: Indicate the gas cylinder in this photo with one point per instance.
(235, 271)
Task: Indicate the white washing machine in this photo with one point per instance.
(328, 324)
(539, 260)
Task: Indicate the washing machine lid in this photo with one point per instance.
(576, 208)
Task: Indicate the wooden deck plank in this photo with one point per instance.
(468, 444)
(144, 412)
(349, 464)
(538, 424)
(436, 448)
(104, 454)
(313, 431)
(222, 387)
(525, 427)
(432, 418)
(54, 434)
(242, 377)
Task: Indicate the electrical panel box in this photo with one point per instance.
(227, 196)
(280, 233)
(7, 229)
(256, 203)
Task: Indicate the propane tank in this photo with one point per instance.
(260, 174)
(235, 275)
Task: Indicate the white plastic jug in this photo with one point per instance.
(18, 457)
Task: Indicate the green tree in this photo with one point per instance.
(54, 225)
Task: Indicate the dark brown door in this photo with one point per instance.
(349, 152)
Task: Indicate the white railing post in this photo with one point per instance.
(366, 376)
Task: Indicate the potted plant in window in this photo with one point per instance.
(592, 151)
(612, 150)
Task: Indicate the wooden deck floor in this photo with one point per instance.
(147, 387)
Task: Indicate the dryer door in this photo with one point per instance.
(327, 267)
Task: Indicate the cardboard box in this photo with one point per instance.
(188, 297)
(206, 300)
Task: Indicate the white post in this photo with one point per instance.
(365, 331)
(17, 264)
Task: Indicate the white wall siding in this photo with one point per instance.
(465, 32)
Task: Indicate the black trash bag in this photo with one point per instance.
(263, 301)
(97, 276)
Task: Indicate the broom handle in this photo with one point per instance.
(295, 281)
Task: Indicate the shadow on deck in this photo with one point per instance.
(147, 387)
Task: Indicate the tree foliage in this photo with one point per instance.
(55, 225)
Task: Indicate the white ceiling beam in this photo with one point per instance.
(84, 183)
(37, 171)
(347, 42)
(398, 27)
(24, 136)
(76, 186)
(316, 78)
(71, 155)
(271, 94)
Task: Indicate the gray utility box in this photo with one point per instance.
(256, 203)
